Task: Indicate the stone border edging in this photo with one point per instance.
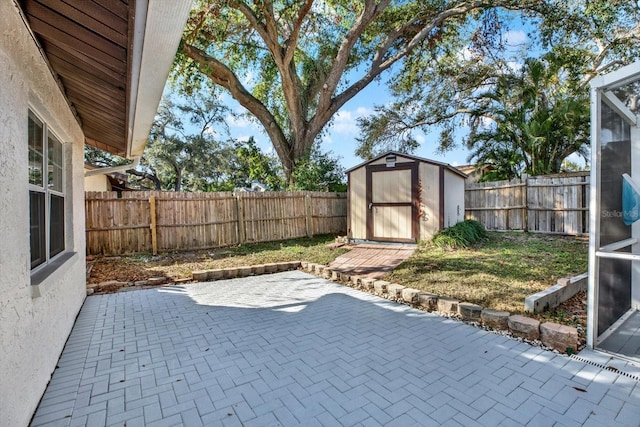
(234, 272)
(561, 338)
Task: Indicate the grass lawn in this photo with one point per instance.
(180, 265)
(498, 273)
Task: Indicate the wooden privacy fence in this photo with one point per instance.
(545, 204)
(152, 221)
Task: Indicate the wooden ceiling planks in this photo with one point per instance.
(87, 44)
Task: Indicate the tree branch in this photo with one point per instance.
(223, 76)
(292, 42)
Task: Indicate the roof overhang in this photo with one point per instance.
(111, 60)
(412, 157)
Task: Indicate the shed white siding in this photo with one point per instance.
(35, 321)
(453, 199)
(429, 200)
(357, 221)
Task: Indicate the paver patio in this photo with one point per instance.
(292, 349)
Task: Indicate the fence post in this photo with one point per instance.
(308, 220)
(242, 235)
(525, 203)
(153, 226)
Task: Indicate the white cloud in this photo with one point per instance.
(515, 66)
(210, 131)
(239, 121)
(515, 37)
(345, 121)
(420, 138)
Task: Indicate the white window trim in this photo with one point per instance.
(46, 131)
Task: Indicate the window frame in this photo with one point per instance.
(46, 189)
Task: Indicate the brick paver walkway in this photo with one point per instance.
(292, 349)
(372, 260)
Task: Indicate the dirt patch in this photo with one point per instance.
(179, 266)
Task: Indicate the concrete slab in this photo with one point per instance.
(294, 349)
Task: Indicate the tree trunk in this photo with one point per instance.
(178, 183)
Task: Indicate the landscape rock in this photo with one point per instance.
(294, 265)
(428, 301)
(469, 311)
(270, 268)
(230, 273)
(495, 319)
(345, 277)
(380, 286)
(110, 286)
(156, 280)
(448, 305)
(559, 337)
(394, 291)
(524, 327)
(216, 274)
(244, 271)
(90, 291)
(198, 276)
(368, 283)
(410, 295)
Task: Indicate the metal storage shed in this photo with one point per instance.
(397, 197)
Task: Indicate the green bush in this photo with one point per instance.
(461, 235)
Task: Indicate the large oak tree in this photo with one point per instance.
(294, 63)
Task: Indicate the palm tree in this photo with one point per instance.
(537, 116)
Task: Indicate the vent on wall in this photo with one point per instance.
(391, 160)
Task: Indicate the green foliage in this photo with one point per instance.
(462, 235)
(319, 172)
(530, 120)
(254, 166)
(182, 152)
(97, 157)
(448, 86)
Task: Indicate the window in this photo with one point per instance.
(46, 193)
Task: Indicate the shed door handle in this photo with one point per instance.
(370, 205)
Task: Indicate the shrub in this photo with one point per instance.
(461, 235)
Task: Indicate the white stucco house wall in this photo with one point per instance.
(42, 264)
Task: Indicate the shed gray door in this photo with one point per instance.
(392, 202)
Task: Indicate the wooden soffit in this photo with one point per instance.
(88, 44)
